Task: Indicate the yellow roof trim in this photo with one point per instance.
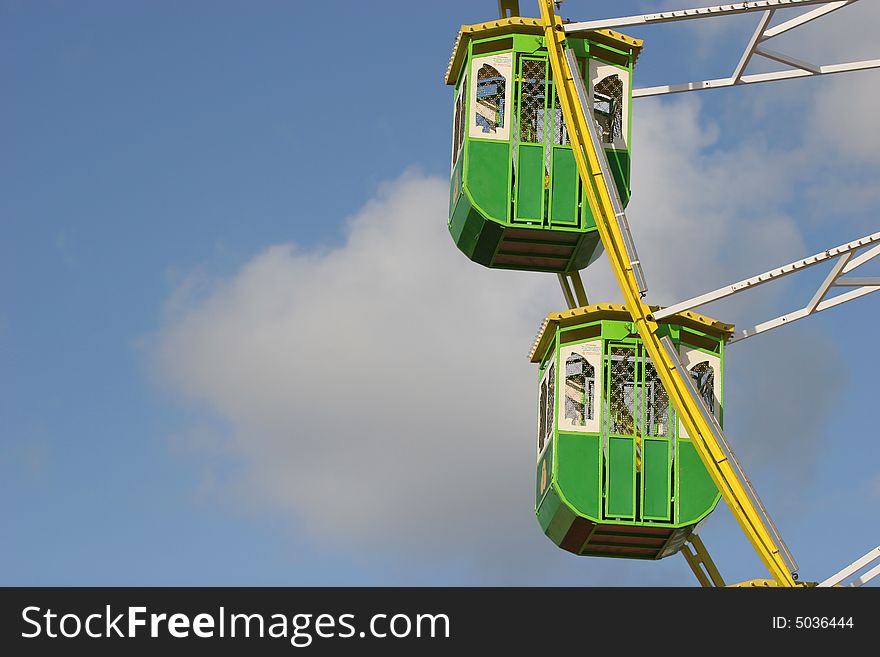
(522, 25)
(618, 311)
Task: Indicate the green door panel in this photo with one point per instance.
(564, 190)
(530, 183)
(697, 493)
(620, 498)
(618, 162)
(486, 177)
(655, 475)
(578, 471)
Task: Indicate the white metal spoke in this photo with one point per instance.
(859, 260)
(782, 58)
(755, 78)
(779, 272)
(690, 14)
(763, 32)
(782, 320)
(856, 282)
(753, 43)
(867, 577)
(805, 18)
(847, 260)
(833, 275)
(855, 567)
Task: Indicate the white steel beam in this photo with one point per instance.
(753, 43)
(867, 577)
(833, 275)
(773, 76)
(788, 60)
(762, 33)
(847, 261)
(779, 272)
(856, 282)
(855, 567)
(859, 260)
(690, 14)
(804, 18)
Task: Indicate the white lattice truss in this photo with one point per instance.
(848, 257)
(795, 68)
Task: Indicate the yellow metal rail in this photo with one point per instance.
(686, 404)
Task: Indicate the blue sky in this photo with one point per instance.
(187, 186)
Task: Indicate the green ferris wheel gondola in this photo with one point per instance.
(617, 476)
(516, 199)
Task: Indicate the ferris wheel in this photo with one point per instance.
(631, 454)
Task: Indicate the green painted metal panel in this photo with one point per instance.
(464, 232)
(579, 46)
(544, 473)
(588, 250)
(577, 473)
(588, 221)
(618, 161)
(548, 508)
(530, 183)
(527, 43)
(620, 498)
(697, 494)
(560, 524)
(486, 177)
(615, 330)
(487, 243)
(655, 476)
(475, 236)
(564, 188)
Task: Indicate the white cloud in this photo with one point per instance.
(701, 213)
(845, 117)
(377, 390)
(377, 393)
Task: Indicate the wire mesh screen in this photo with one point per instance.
(623, 404)
(531, 101)
(580, 380)
(704, 379)
(491, 92)
(560, 131)
(608, 108)
(551, 401)
(657, 411)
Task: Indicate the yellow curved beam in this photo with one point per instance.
(688, 408)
